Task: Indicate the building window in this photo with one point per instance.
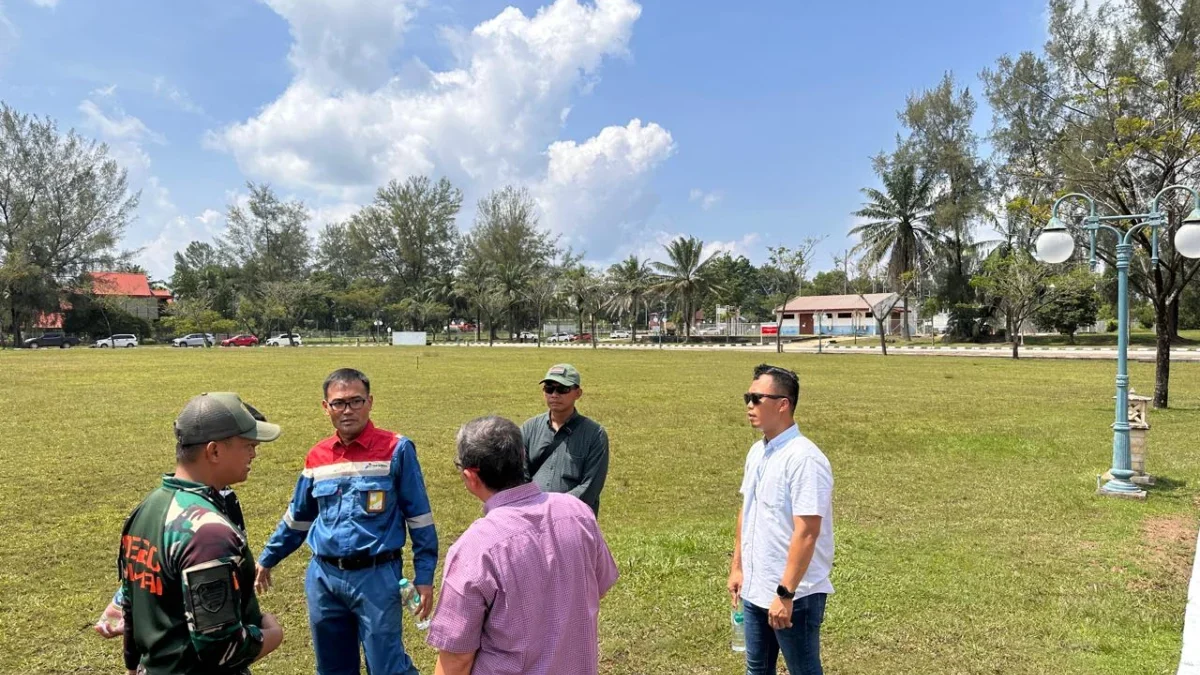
(843, 315)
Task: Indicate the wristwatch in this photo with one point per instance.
(784, 593)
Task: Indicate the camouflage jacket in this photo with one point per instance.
(187, 581)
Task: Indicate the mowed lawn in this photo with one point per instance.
(969, 539)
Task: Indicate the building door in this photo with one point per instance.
(806, 324)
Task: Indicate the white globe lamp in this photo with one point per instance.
(1055, 244)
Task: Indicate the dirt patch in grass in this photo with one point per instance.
(1168, 546)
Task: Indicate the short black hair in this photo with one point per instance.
(188, 454)
(346, 376)
(494, 447)
(783, 378)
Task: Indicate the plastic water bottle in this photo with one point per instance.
(412, 601)
(739, 630)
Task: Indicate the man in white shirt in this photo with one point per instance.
(783, 549)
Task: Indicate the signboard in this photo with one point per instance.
(770, 329)
(408, 338)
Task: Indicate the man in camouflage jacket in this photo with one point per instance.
(187, 573)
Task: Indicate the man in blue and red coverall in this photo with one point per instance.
(359, 490)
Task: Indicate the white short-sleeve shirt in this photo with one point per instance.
(785, 478)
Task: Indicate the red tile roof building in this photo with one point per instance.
(132, 293)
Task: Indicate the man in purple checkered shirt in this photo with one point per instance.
(521, 588)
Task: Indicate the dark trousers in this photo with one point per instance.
(800, 644)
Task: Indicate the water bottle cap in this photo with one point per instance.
(738, 617)
(403, 582)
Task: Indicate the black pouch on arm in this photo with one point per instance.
(212, 597)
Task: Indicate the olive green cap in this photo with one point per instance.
(564, 374)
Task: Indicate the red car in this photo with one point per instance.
(583, 337)
(240, 341)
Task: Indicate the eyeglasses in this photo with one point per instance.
(754, 398)
(550, 388)
(341, 404)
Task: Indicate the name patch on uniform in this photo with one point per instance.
(376, 501)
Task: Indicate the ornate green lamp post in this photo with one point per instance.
(1055, 245)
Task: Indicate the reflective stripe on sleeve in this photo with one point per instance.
(420, 521)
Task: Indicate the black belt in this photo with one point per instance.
(360, 562)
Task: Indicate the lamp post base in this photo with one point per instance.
(1143, 479)
(1123, 493)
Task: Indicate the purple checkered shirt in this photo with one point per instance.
(522, 587)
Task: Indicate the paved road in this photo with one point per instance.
(1095, 353)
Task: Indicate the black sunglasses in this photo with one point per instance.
(551, 388)
(754, 398)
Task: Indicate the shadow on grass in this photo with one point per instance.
(1166, 486)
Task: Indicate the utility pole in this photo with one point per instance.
(843, 261)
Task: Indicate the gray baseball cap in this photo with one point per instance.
(216, 416)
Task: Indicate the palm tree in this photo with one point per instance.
(493, 304)
(631, 280)
(440, 290)
(582, 290)
(541, 293)
(899, 229)
(512, 279)
(685, 277)
(473, 284)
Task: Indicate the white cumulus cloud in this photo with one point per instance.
(707, 200)
(652, 245)
(157, 254)
(745, 246)
(594, 191)
(344, 43)
(124, 133)
(209, 217)
(351, 119)
(159, 230)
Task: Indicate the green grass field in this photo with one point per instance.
(968, 536)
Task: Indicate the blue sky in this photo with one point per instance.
(630, 123)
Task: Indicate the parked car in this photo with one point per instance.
(582, 337)
(527, 335)
(194, 340)
(243, 340)
(51, 340)
(560, 337)
(118, 340)
(619, 334)
(285, 340)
